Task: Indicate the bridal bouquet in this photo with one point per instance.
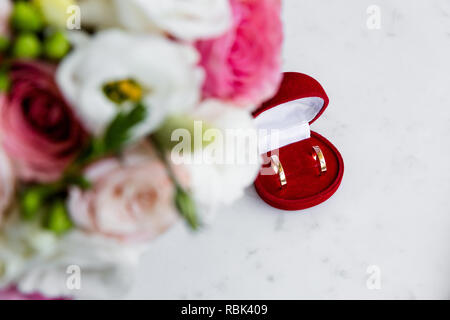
(95, 98)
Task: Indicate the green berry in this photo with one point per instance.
(58, 218)
(56, 46)
(4, 43)
(27, 46)
(31, 202)
(26, 17)
(4, 82)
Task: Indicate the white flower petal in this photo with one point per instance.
(186, 19)
(218, 184)
(166, 70)
(37, 261)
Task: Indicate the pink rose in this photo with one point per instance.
(39, 131)
(5, 11)
(7, 183)
(12, 293)
(243, 66)
(132, 199)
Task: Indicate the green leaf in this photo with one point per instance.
(183, 200)
(120, 129)
(163, 136)
(77, 179)
(186, 206)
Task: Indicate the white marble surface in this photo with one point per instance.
(390, 117)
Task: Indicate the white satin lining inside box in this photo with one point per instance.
(286, 123)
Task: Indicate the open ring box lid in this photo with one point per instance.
(300, 101)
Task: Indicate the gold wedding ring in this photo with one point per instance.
(278, 168)
(319, 156)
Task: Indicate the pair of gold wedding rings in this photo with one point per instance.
(278, 167)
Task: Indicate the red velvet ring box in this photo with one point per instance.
(300, 101)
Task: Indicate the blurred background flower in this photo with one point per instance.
(220, 183)
(161, 74)
(243, 66)
(131, 199)
(38, 129)
(36, 260)
(87, 172)
(55, 12)
(187, 20)
(217, 179)
(12, 293)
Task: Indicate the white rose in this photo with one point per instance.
(166, 74)
(220, 183)
(185, 19)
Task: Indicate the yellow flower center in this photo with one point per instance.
(123, 90)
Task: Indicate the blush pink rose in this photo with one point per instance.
(38, 129)
(244, 65)
(12, 293)
(131, 199)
